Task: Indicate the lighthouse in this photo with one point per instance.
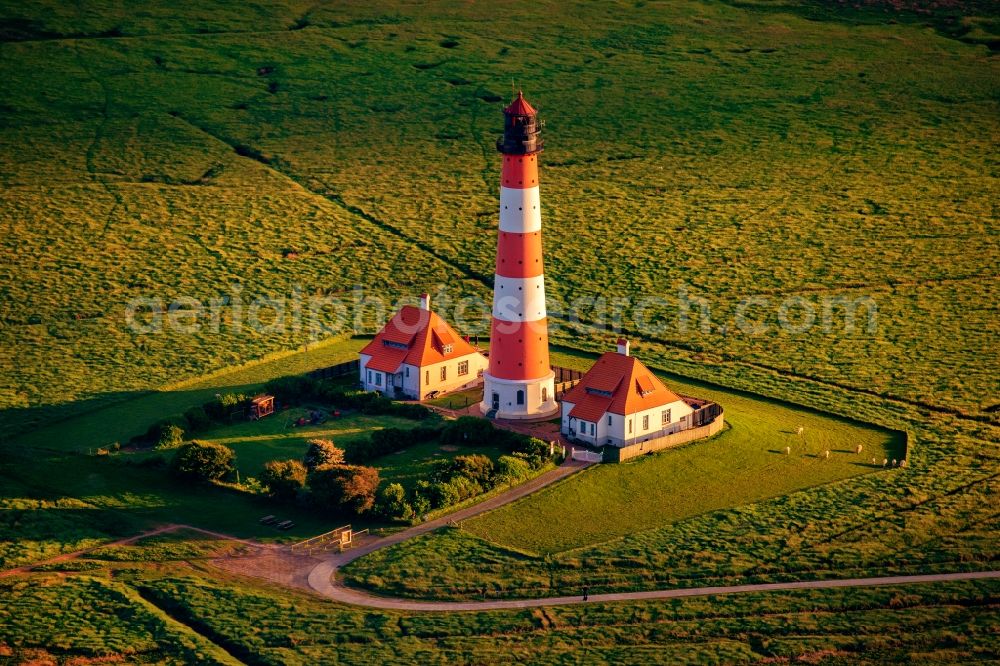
(519, 381)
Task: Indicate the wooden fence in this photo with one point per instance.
(334, 371)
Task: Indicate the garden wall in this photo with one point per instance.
(621, 454)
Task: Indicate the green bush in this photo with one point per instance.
(170, 435)
(203, 461)
(533, 450)
(197, 419)
(283, 479)
(293, 389)
(510, 469)
(224, 405)
(476, 468)
(391, 503)
(469, 431)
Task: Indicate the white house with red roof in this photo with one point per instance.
(620, 402)
(418, 354)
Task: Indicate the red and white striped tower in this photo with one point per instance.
(519, 381)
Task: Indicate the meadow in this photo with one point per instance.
(731, 151)
(722, 150)
(185, 611)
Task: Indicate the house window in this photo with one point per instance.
(427, 376)
(545, 394)
(645, 422)
(446, 349)
(407, 371)
(520, 397)
(378, 379)
(609, 419)
(369, 376)
(666, 416)
(593, 429)
(444, 372)
(630, 425)
(463, 368)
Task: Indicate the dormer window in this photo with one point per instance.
(393, 344)
(593, 391)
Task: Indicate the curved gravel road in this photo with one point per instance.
(321, 577)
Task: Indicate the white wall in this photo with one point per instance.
(618, 431)
(533, 404)
(678, 410)
(416, 385)
(453, 381)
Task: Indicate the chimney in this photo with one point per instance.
(425, 301)
(623, 346)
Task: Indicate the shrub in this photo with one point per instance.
(533, 450)
(392, 504)
(203, 461)
(510, 469)
(477, 468)
(469, 431)
(442, 494)
(421, 504)
(283, 479)
(294, 389)
(170, 435)
(344, 488)
(322, 453)
(465, 487)
(411, 410)
(224, 405)
(197, 419)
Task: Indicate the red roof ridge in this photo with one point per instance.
(417, 337)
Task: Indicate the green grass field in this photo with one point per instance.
(178, 613)
(783, 149)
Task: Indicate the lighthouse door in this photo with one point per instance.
(496, 400)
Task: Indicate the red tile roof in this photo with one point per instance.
(520, 107)
(591, 407)
(632, 388)
(418, 338)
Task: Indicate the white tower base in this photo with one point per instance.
(538, 400)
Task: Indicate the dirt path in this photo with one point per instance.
(77, 553)
(321, 581)
(132, 539)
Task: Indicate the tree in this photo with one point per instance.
(392, 503)
(283, 478)
(344, 488)
(204, 461)
(322, 453)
